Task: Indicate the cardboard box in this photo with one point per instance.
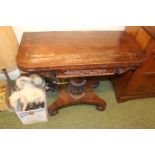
(32, 116)
(4, 96)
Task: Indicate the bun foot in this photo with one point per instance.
(52, 113)
(100, 108)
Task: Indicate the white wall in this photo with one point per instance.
(58, 26)
(62, 27)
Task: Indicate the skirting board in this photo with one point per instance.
(13, 75)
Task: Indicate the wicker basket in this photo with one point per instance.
(3, 96)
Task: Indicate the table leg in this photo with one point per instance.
(78, 91)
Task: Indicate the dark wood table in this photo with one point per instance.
(79, 56)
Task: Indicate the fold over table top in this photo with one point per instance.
(61, 50)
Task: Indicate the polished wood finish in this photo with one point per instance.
(81, 50)
(150, 30)
(142, 38)
(140, 83)
(78, 55)
(88, 97)
(132, 30)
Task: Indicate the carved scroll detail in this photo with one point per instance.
(124, 70)
(85, 72)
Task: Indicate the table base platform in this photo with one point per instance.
(77, 92)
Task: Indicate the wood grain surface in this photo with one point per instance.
(82, 49)
(150, 30)
(141, 82)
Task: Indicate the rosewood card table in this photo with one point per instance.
(78, 56)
